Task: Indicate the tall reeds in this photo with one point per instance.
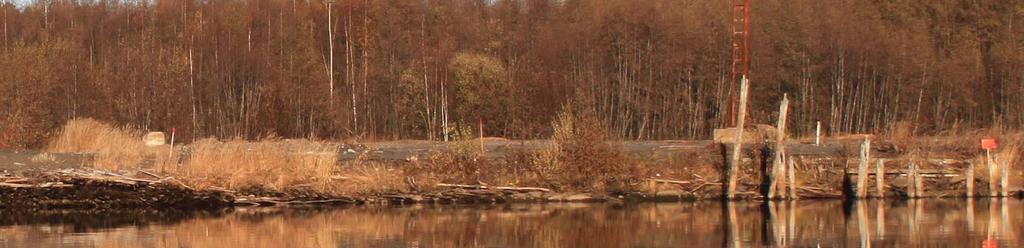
(115, 148)
(273, 164)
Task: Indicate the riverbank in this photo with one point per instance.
(93, 165)
(92, 189)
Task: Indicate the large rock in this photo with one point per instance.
(757, 133)
(155, 139)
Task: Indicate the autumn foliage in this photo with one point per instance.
(656, 69)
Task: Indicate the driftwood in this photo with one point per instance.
(702, 185)
(465, 186)
(150, 174)
(817, 192)
(14, 180)
(62, 176)
(669, 181)
(274, 201)
(259, 201)
(219, 189)
(14, 184)
(919, 172)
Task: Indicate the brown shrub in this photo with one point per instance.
(579, 156)
(462, 163)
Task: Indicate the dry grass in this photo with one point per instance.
(235, 164)
(579, 159)
(362, 177)
(115, 148)
(271, 164)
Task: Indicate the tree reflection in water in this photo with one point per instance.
(802, 223)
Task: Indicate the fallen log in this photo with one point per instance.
(817, 192)
(258, 201)
(669, 181)
(150, 174)
(41, 185)
(465, 186)
(15, 180)
(322, 202)
(15, 185)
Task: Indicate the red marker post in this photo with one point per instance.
(990, 144)
(989, 243)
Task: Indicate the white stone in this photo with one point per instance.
(155, 139)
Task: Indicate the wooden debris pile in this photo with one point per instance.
(96, 189)
(481, 193)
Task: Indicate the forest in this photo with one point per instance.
(434, 69)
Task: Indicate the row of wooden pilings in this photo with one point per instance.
(781, 175)
(999, 176)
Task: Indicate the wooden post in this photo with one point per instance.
(969, 179)
(482, 151)
(1004, 184)
(880, 177)
(817, 133)
(737, 147)
(792, 178)
(862, 168)
(918, 181)
(911, 178)
(993, 191)
(778, 169)
(170, 151)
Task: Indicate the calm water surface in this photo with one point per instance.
(921, 223)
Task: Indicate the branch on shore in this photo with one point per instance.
(42, 185)
(466, 186)
(669, 181)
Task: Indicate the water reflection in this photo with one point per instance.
(804, 223)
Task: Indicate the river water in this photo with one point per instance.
(805, 223)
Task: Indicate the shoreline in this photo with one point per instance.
(79, 189)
